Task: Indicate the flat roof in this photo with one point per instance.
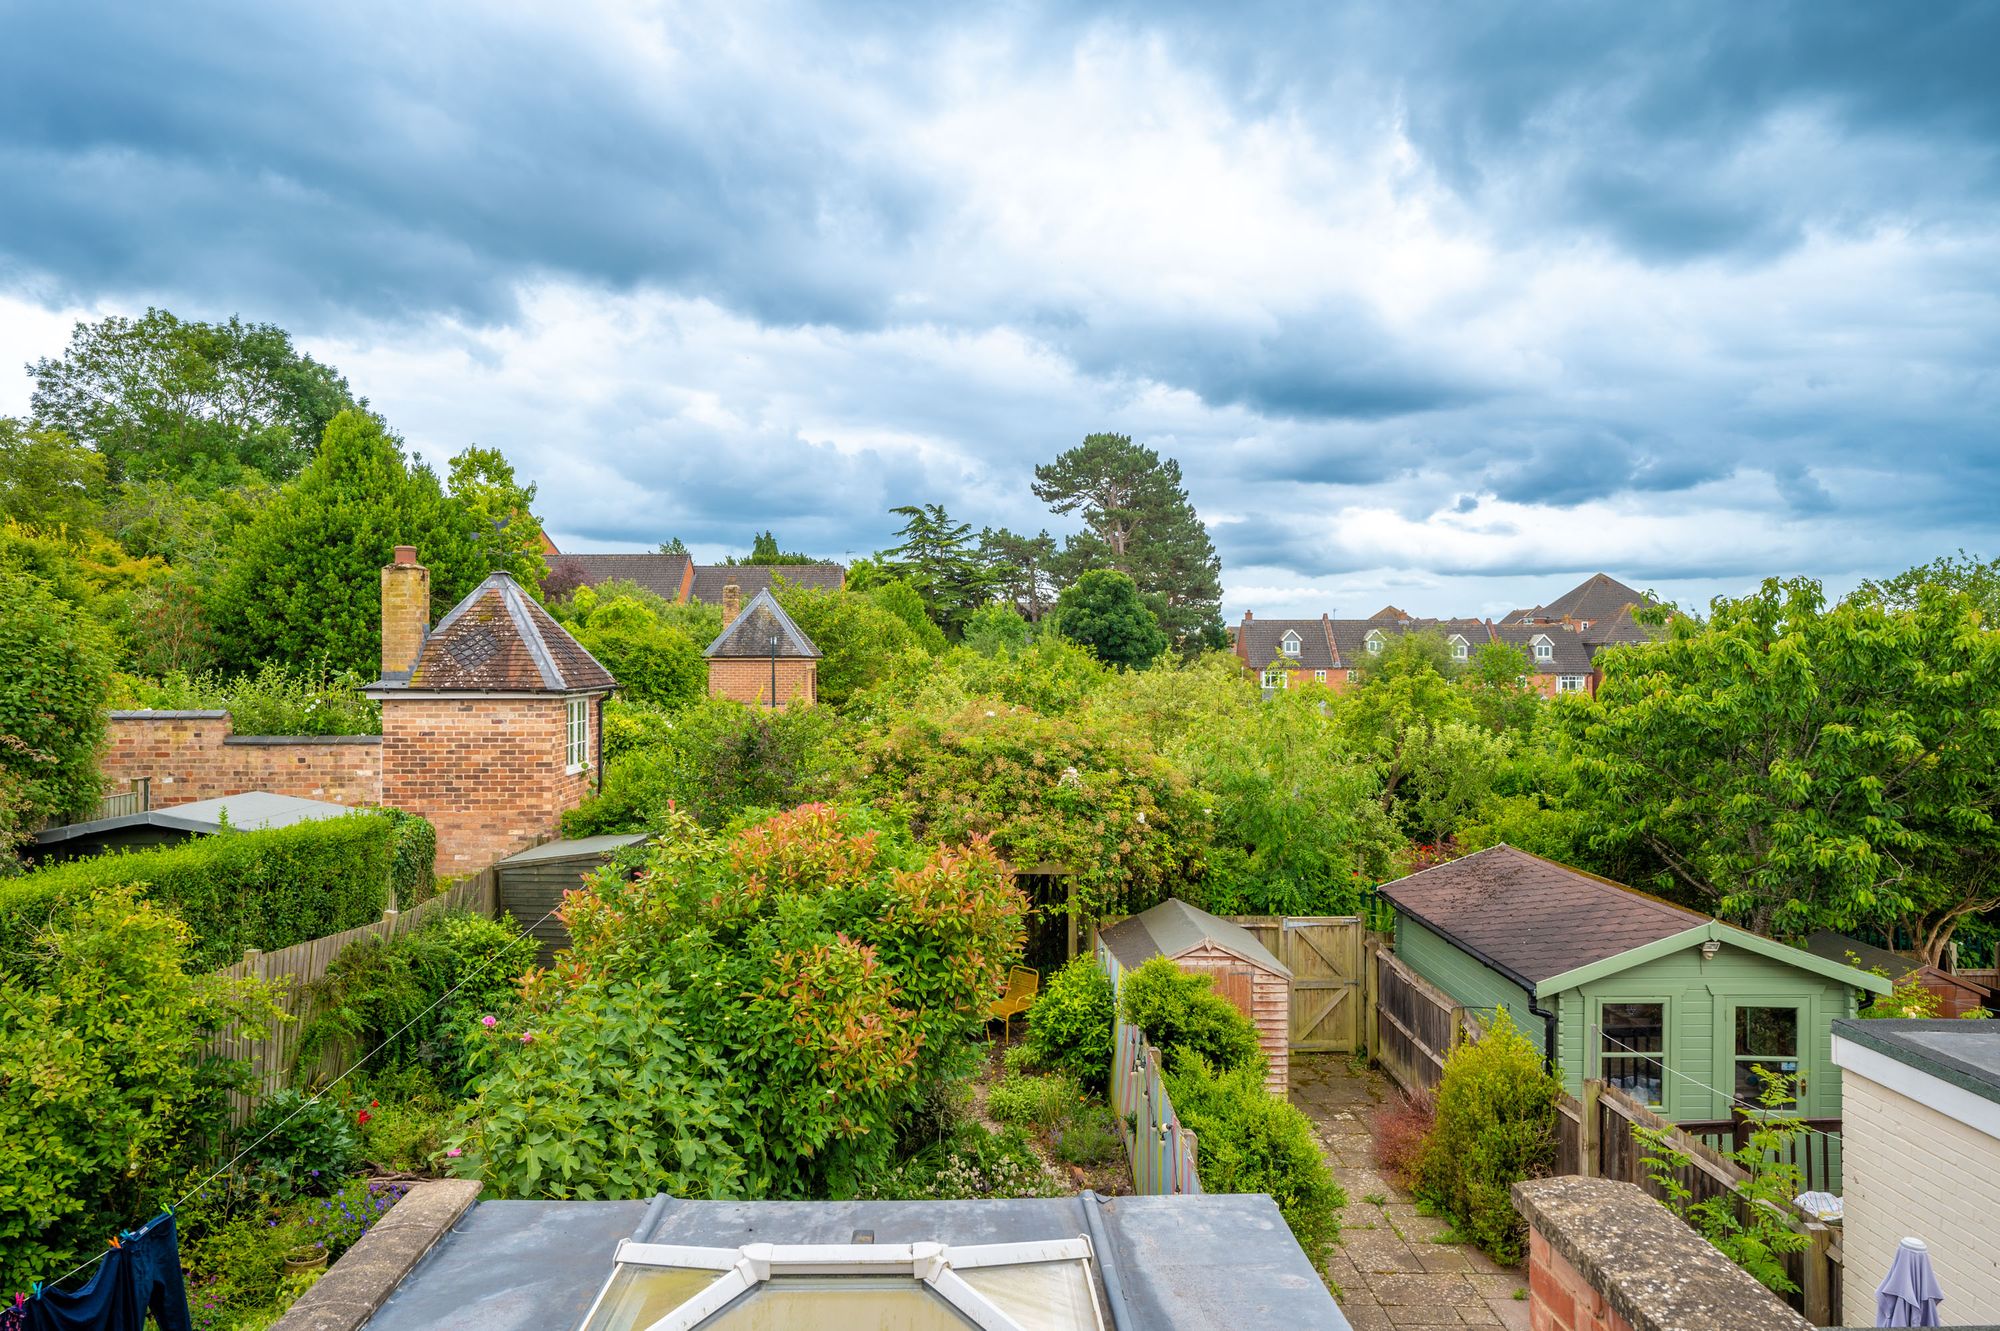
(251, 811)
(563, 850)
(1183, 1262)
(1964, 1053)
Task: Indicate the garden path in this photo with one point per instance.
(1391, 1270)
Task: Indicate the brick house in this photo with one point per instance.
(1561, 640)
(492, 720)
(679, 579)
(762, 657)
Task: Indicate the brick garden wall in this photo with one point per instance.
(488, 772)
(748, 680)
(196, 756)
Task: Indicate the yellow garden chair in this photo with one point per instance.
(1023, 983)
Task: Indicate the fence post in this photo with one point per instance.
(1816, 1280)
(1371, 997)
(388, 924)
(1588, 1129)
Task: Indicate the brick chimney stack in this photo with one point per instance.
(406, 612)
(732, 603)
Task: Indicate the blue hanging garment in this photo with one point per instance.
(142, 1274)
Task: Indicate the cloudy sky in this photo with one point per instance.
(1444, 304)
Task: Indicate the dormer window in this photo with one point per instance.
(1545, 648)
(1375, 641)
(1289, 644)
(1460, 648)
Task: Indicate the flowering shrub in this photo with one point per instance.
(973, 1164)
(748, 1014)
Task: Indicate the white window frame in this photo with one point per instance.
(1353, 675)
(1290, 643)
(1461, 650)
(1319, 676)
(576, 734)
(1274, 677)
(1545, 647)
(740, 1270)
(1375, 641)
(1572, 683)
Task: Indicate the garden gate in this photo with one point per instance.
(1323, 953)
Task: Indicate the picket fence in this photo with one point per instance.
(1162, 1152)
(271, 1050)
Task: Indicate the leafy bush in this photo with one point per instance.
(412, 859)
(1496, 1125)
(1251, 1141)
(279, 699)
(392, 996)
(653, 661)
(1182, 1016)
(630, 727)
(750, 1014)
(1036, 1102)
(1402, 1124)
(1070, 1023)
(55, 665)
(974, 1164)
(300, 1146)
(266, 889)
(106, 1098)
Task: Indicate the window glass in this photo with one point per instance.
(1320, 675)
(1544, 651)
(1274, 679)
(835, 1303)
(1633, 1041)
(578, 746)
(1766, 1037)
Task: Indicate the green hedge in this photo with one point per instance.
(413, 860)
(235, 890)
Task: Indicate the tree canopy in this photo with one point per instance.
(1102, 611)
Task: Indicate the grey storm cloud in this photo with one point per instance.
(884, 316)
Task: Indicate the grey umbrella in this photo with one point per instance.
(1909, 1294)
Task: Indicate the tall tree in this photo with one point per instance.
(1102, 610)
(1021, 568)
(48, 479)
(1138, 521)
(505, 531)
(1976, 577)
(940, 559)
(1795, 767)
(159, 396)
(764, 550)
(303, 583)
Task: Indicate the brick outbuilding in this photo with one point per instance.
(762, 658)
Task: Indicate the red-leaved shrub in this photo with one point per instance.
(1402, 1122)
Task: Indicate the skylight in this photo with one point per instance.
(835, 1287)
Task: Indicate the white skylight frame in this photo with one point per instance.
(741, 1270)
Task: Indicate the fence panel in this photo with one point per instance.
(1162, 1152)
(1415, 1024)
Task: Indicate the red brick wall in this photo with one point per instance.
(1559, 1298)
(748, 680)
(489, 773)
(195, 756)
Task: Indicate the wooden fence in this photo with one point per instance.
(1412, 1024)
(272, 1051)
(1596, 1137)
(1162, 1152)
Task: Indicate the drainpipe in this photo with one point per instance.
(1107, 1262)
(1548, 1033)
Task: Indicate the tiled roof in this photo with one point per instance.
(749, 634)
(1597, 597)
(1531, 918)
(1621, 629)
(499, 640)
(1260, 642)
(710, 579)
(657, 573)
(1571, 652)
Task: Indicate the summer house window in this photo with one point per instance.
(1766, 1037)
(577, 749)
(1569, 683)
(1633, 1045)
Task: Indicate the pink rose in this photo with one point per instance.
(489, 1022)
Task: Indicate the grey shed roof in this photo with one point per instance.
(1183, 1262)
(1173, 927)
(1964, 1053)
(252, 811)
(580, 848)
(749, 634)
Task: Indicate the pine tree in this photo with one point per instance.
(938, 558)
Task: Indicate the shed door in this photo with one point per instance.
(1236, 984)
(1324, 955)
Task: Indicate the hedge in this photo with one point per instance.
(413, 863)
(235, 890)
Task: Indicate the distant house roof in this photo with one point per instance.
(251, 811)
(1598, 597)
(1549, 927)
(1261, 642)
(1621, 629)
(499, 640)
(750, 633)
(1569, 653)
(659, 574)
(1179, 1262)
(710, 579)
(1173, 927)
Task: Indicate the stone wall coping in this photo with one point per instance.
(357, 1285)
(150, 714)
(1656, 1272)
(303, 739)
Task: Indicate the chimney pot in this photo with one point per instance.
(406, 554)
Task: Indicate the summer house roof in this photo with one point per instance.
(499, 640)
(750, 633)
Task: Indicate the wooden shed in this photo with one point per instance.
(1244, 970)
(1956, 994)
(531, 884)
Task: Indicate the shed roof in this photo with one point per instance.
(1839, 947)
(750, 633)
(1549, 927)
(500, 640)
(1174, 928)
(1183, 1262)
(1963, 1053)
(580, 848)
(251, 811)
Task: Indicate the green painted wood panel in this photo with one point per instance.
(1471, 981)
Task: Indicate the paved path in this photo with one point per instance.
(1389, 1271)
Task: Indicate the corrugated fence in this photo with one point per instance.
(270, 1052)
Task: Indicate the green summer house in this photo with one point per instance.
(1673, 1008)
